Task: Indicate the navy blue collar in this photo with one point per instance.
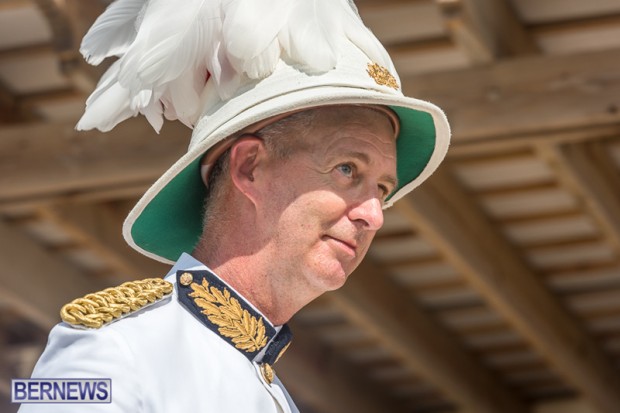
(231, 317)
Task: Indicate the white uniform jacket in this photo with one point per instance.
(175, 355)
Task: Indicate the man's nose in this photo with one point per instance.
(369, 212)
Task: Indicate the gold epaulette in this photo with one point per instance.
(95, 310)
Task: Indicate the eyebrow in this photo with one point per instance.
(366, 159)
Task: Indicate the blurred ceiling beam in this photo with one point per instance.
(47, 160)
(513, 102)
(12, 111)
(51, 97)
(81, 15)
(388, 313)
(514, 98)
(14, 4)
(68, 28)
(324, 382)
(22, 357)
(20, 360)
(486, 30)
(5, 386)
(576, 25)
(417, 46)
(588, 172)
(34, 281)
(447, 217)
(26, 206)
(63, 39)
(393, 21)
(564, 406)
(98, 228)
(27, 52)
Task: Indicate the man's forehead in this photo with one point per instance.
(369, 147)
(361, 134)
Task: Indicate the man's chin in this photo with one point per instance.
(331, 272)
(337, 279)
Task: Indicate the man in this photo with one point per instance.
(277, 199)
(307, 217)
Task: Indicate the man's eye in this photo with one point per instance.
(346, 169)
(384, 191)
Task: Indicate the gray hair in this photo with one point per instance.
(282, 138)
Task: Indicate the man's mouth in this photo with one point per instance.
(350, 246)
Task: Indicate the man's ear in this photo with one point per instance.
(246, 155)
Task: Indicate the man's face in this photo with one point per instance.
(324, 204)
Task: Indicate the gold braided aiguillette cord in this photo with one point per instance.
(97, 309)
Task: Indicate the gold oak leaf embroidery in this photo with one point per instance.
(234, 322)
(381, 75)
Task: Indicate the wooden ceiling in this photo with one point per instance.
(495, 287)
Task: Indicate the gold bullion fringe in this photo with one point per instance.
(95, 310)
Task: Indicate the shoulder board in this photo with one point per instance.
(100, 308)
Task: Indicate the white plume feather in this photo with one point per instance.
(108, 105)
(112, 32)
(170, 40)
(362, 37)
(254, 52)
(312, 34)
(168, 50)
